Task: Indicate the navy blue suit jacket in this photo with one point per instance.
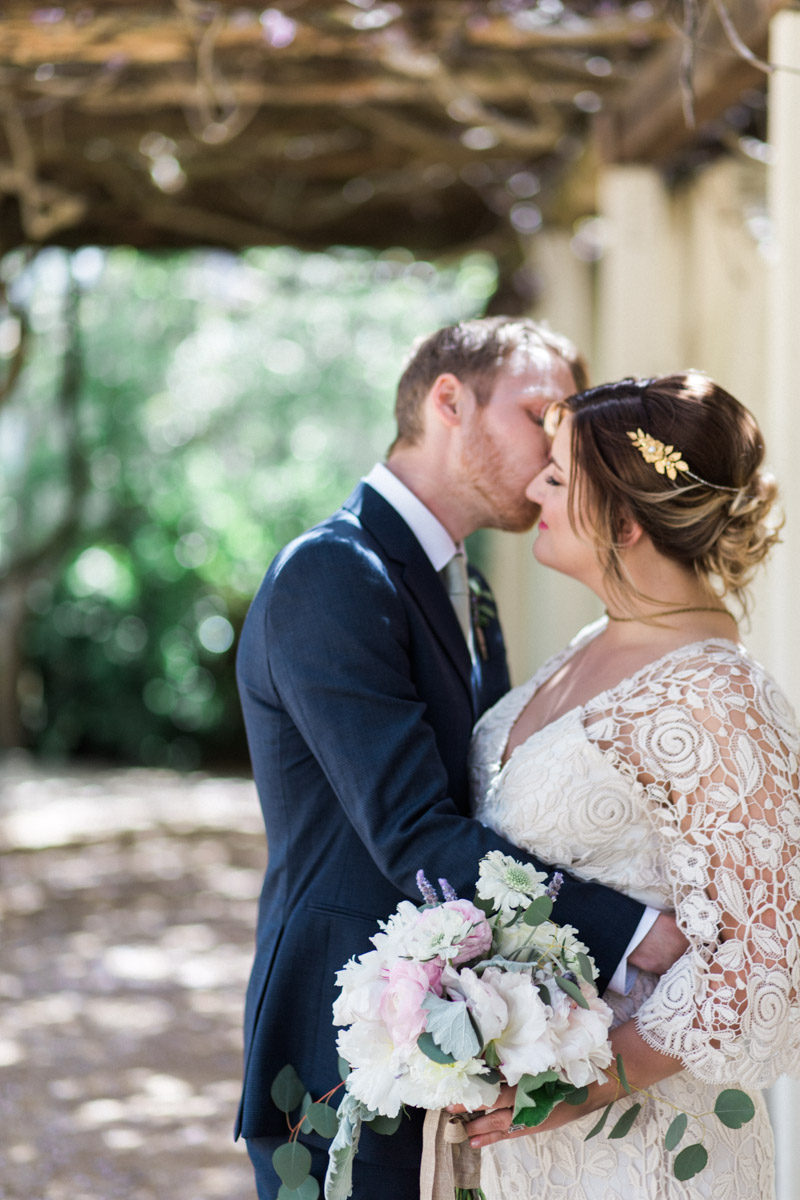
(359, 698)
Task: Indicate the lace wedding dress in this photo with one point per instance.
(678, 786)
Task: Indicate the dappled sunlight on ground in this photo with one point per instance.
(128, 907)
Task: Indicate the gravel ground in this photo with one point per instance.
(128, 905)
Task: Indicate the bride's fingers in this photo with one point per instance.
(493, 1126)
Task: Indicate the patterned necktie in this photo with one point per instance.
(456, 580)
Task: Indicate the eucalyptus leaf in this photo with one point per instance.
(385, 1125)
(322, 1120)
(435, 1053)
(690, 1161)
(292, 1162)
(486, 906)
(572, 990)
(623, 1078)
(538, 911)
(343, 1067)
(597, 1128)
(544, 993)
(585, 966)
(287, 1089)
(451, 1026)
(676, 1131)
(578, 1096)
(626, 1120)
(308, 1190)
(734, 1108)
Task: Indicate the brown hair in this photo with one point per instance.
(474, 351)
(710, 517)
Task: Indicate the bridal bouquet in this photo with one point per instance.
(458, 997)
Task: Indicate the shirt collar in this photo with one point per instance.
(427, 529)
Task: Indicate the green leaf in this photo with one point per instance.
(578, 1096)
(544, 993)
(538, 911)
(626, 1120)
(292, 1162)
(734, 1108)
(385, 1125)
(429, 1048)
(486, 906)
(344, 1068)
(342, 1150)
(593, 1132)
(322, 1120)
(535, 1101)
(287, 1089)
(490, 1055)
(676, 1131)
(585, 967)
(690, 1161)
(572, 990)
(308, 1190)
(623, 1078)
(451, 1026)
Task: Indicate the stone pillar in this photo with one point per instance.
(783, 443)
(639, 311)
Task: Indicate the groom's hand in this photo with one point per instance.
(660, 947)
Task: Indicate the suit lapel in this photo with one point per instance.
(400, 545)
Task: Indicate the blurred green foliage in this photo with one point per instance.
(221, 405)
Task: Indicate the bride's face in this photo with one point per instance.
(557, 544)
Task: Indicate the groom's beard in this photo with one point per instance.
(499, 485)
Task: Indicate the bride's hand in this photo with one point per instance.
(496, 1123)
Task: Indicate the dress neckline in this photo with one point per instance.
(539, 677)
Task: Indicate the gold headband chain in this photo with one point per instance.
(669, 461)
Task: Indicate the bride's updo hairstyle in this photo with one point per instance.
(681, 457)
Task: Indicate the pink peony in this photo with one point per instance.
(407, 985)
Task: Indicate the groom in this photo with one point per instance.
(360, 688)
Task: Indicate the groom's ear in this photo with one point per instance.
(448, 396)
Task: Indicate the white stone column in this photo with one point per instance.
(639, 309)
(783, 443)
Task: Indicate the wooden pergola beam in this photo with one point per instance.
(648, 124)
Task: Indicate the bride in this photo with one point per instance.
(656, 756)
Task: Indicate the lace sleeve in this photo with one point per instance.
(719, 754)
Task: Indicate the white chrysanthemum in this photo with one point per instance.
(581, 1037)
(507, 883)
(524, 1047)
(362, 986)
(562, 945)
(435, 1085)
(391, 941)
(484, 1002)
(378, 1069)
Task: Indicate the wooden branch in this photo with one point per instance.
(648, 125)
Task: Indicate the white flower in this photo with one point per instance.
(442, 933)
(435, 1085)
(581, 1036)
(362, 986)
(378, 1068)
(507, 883)
(524, 1046)
(484, 1002)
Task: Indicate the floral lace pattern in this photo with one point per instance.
(678, 786)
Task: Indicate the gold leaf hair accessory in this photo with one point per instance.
(666, 459)
(669, 461)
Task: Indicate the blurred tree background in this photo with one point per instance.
(170, 422)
